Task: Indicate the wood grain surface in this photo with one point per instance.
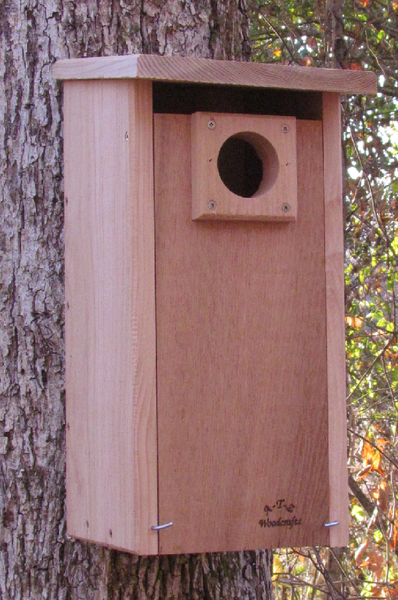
(241, 356)
(277, 151)
(200, 70)
(110, 308)
(334, 256)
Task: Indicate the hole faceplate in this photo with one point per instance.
(244, 168)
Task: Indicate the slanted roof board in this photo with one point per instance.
(217, 72)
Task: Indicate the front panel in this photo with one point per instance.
(241, 362)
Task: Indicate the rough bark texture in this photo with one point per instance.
(37, 558)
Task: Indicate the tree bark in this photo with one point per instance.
(37, 558)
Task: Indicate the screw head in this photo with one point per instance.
(211, 124)
(285, 128)
(285, 207)
(126, 135)
(212, 205)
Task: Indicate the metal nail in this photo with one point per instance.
(157, 527)
(331, 524)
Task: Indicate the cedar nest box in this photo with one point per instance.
(205, 381)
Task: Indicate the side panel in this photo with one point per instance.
(110, 315)
(242, 370)
(334, 258)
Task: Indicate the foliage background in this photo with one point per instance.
(355, 34)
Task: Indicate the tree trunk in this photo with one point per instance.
(38, 559)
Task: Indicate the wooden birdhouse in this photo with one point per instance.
(205, 382)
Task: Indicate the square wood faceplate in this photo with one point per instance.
(221, 165)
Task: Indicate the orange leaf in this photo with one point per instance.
(383, 496)
(372, 457)
(367, 452)
(376, 590)
(375, 563)
(362, 474)
(394, 541)
(364, 564)
(306, 62)
(381, 442)
(354, 67)
(354, 322)
(391, 591)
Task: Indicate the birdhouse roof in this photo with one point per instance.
(217, 72)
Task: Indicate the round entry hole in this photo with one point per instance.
(248, 164)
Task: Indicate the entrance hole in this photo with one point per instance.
(248, 164)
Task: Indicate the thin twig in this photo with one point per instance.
(294, 580)
(368, 370)
(344, 572)
(375, 56)
(383, 362)
(334, 592)
(278, 36)
(391, 460)
(372, 198)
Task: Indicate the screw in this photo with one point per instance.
(285, 207)
(127, 135)
(285, 128)
(211, 124)
(212, 205)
